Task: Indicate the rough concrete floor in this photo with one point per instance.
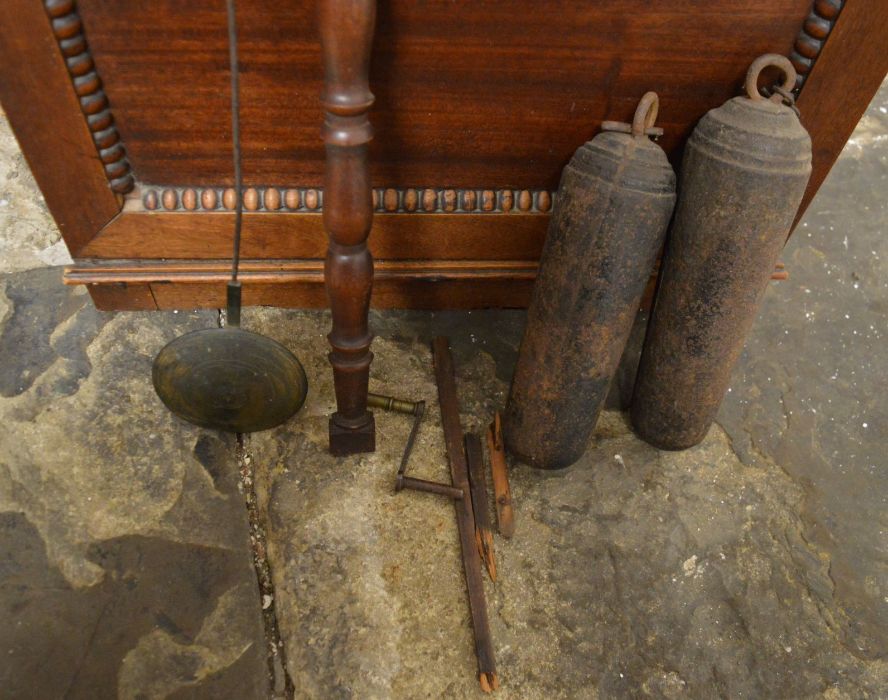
(755, 565)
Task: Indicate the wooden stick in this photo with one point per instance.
(445, 377)
(483, 532)
(505, 519)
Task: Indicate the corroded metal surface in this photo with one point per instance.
(229, 379)
(610, 217)
(745, 169)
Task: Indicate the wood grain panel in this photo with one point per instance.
(39, 100)
(470, 93)
(835, 97)
(386, 295)
(515, 236)
(68, 30)
(117, 296)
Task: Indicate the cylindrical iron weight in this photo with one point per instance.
(745, 169)
(610, 216)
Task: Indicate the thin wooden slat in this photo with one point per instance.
(387, 294)
(505, 515)
(286, 271)
(478, 484)
(299, 284)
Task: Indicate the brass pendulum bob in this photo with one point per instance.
(228, 378)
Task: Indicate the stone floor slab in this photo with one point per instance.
(750, 566)
(811, 391)
(753, 565)
(634, 572)
(126, 565)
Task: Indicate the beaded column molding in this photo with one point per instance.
(68, 31)
(809, 42)
(346, 28)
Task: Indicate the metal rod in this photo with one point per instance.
(233, 299)
(390, 403)
(235, 134)
(233, 304)
(408, 482)
(417, 410)
(411, 438)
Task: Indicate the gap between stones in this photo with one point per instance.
(279, 680)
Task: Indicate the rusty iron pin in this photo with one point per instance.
(417, 409)
(643, 120)
(408, 482)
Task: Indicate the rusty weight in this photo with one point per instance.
(745, 169)
(610, 217)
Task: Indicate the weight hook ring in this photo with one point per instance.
(645, 113)
(762, 62)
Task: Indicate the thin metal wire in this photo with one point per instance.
(235, 135)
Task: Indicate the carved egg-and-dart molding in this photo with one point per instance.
(68, 31)
(404, 200)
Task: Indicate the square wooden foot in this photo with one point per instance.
(348, 441)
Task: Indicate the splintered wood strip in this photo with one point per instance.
(505, 518)
(483, 532)
(445, 377)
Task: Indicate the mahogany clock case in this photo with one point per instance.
(121, 108)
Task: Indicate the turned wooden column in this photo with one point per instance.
(346, 34)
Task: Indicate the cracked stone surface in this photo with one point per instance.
(125, 566)
(751, 566)
(635, 572)
(810, 393)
